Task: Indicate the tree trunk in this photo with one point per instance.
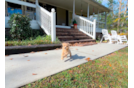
(125, 13)
(118, 25)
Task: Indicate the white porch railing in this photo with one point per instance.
(86, 26)
(47, 21)
(43, 17)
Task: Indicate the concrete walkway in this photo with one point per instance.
(19, 70)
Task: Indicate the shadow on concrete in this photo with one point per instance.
(74, 57)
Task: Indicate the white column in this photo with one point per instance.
(36, 2)
(36, 9)
(94, 30)
(98, 20)
(53, 25)
(105, 20)
(93, 13)
(73, 8)
(88, 11)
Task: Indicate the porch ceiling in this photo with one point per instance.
(79, 4)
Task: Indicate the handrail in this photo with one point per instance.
(84, 19)
(44, 10)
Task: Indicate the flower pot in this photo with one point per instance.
(75, 26)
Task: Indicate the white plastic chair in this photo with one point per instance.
(107, 36)
(120, 38)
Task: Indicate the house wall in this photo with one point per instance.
(61, 16)
(34, 24)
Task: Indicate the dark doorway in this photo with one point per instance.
(67, 18)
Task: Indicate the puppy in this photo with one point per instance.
(65, 50)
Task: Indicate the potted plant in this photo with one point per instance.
(75, 24)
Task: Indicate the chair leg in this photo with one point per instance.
(119, 38)
(101, 39)
(118, 42)
(110, 40)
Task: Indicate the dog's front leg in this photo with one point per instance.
(70, 53)
(62, 55)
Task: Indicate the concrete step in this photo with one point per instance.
(66, 29)
(82, 37)
(74, 37)
(77, 41)
(70, 34)
(69, 30)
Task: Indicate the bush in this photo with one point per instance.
(20, 27)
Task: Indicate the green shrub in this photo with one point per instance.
(20, 27)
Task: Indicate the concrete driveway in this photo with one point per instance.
(19, 68)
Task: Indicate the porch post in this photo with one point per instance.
(105, 20)
(94, 30)
(93, 13)
(88, 11)
(73, 9)
(36, 2)
(98, 20)
(53, 25)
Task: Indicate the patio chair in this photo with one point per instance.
(107, 36)
(120, 38)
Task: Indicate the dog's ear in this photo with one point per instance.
(63, 44)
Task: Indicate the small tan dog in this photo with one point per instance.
(65, 50)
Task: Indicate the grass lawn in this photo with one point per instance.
(107, 72)
(37, 41)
